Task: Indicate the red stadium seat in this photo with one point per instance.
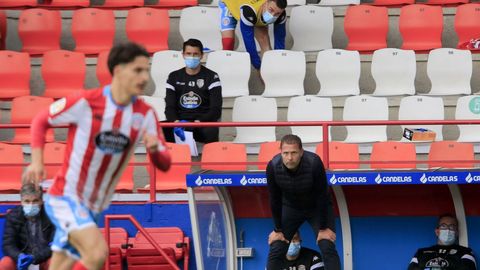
(39, 30)
(103, 74)
(17, 3)
(174, 3)
(444, 151)
(24, 109)
(366, 27)
(14, 74)
(467, 22)
(174, 180)
(118, 243)
(394, 153)
(445, 2)
(171, 238)
(393, 2)
(63, 72)
(93, 30)
(421, 27)
(10, 178)
(267, 151)
(3, 29)
(53, 153)
(64, 4)
(121, 4)
(149, 27)
(343, 152)
(224, 152)
(125, 184)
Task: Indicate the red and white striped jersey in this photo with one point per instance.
(102, 135)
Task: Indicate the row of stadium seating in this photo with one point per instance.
(338, 71)
(312, 28)
(301, 108)
(389, 154)
(116, 4)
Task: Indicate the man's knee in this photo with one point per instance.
(278, 248)
(327, 247)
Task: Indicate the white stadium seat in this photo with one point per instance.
(202, 23)
(308, 19)
(233, 68)
(422, 108)
(338, 72)
(468, 108)
(283, 72)
(158, 104)
(450, 71)
(338, 2)
(163, 63)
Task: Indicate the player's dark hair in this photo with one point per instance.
(281, 3)
(446, 215)
(125, 53)
(291, 139)
(193, 43)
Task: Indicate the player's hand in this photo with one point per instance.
(276, 236)
(151, 142)
(326, 234)
(34, 174)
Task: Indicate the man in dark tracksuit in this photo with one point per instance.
(194, 94)
(446, 254)
(298, 192)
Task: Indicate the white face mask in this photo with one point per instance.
(447, 237)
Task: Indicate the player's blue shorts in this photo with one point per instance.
(67, 214)
(228, 22)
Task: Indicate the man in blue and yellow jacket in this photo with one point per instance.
(254, 17)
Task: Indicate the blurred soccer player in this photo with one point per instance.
(104, 126)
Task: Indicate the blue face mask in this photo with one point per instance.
(192, 62)
(31, 210)
(293, 249)
(447, 237)
(268, 18)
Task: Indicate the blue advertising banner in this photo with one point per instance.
(343, 178)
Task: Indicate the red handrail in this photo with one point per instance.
(142, 231)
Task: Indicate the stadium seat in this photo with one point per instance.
(297, 2)
(172, 4)
(338, 2)
(233, 68)
(340, 152)
(445, 2)
(171, 239)
(14, 74)
(64, 4)
(24, 109)
(93, 30)
(241, 42)
(283, 72)
(468, 108)
(125, 184)
(10, 178)
(267, 151)
(206, 28)
(39, 30)
(18, 3)
(118, 243)
(309, 108)
(254, 109)
(53, 152)
(363, 107)
(174, 180)
(103, 74)
(393, 2)
(338, 72)
(422, 108)
(467, 20)
(450, 71)
(305, 20)
(224, 152)
(366, 27)
(394, 72)
(3, 29)
(149, 27)
(445, 151)
(63, 72)
(394, 153)
(120, 4)
(163, 63)
(421, 27)
(158, 104)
